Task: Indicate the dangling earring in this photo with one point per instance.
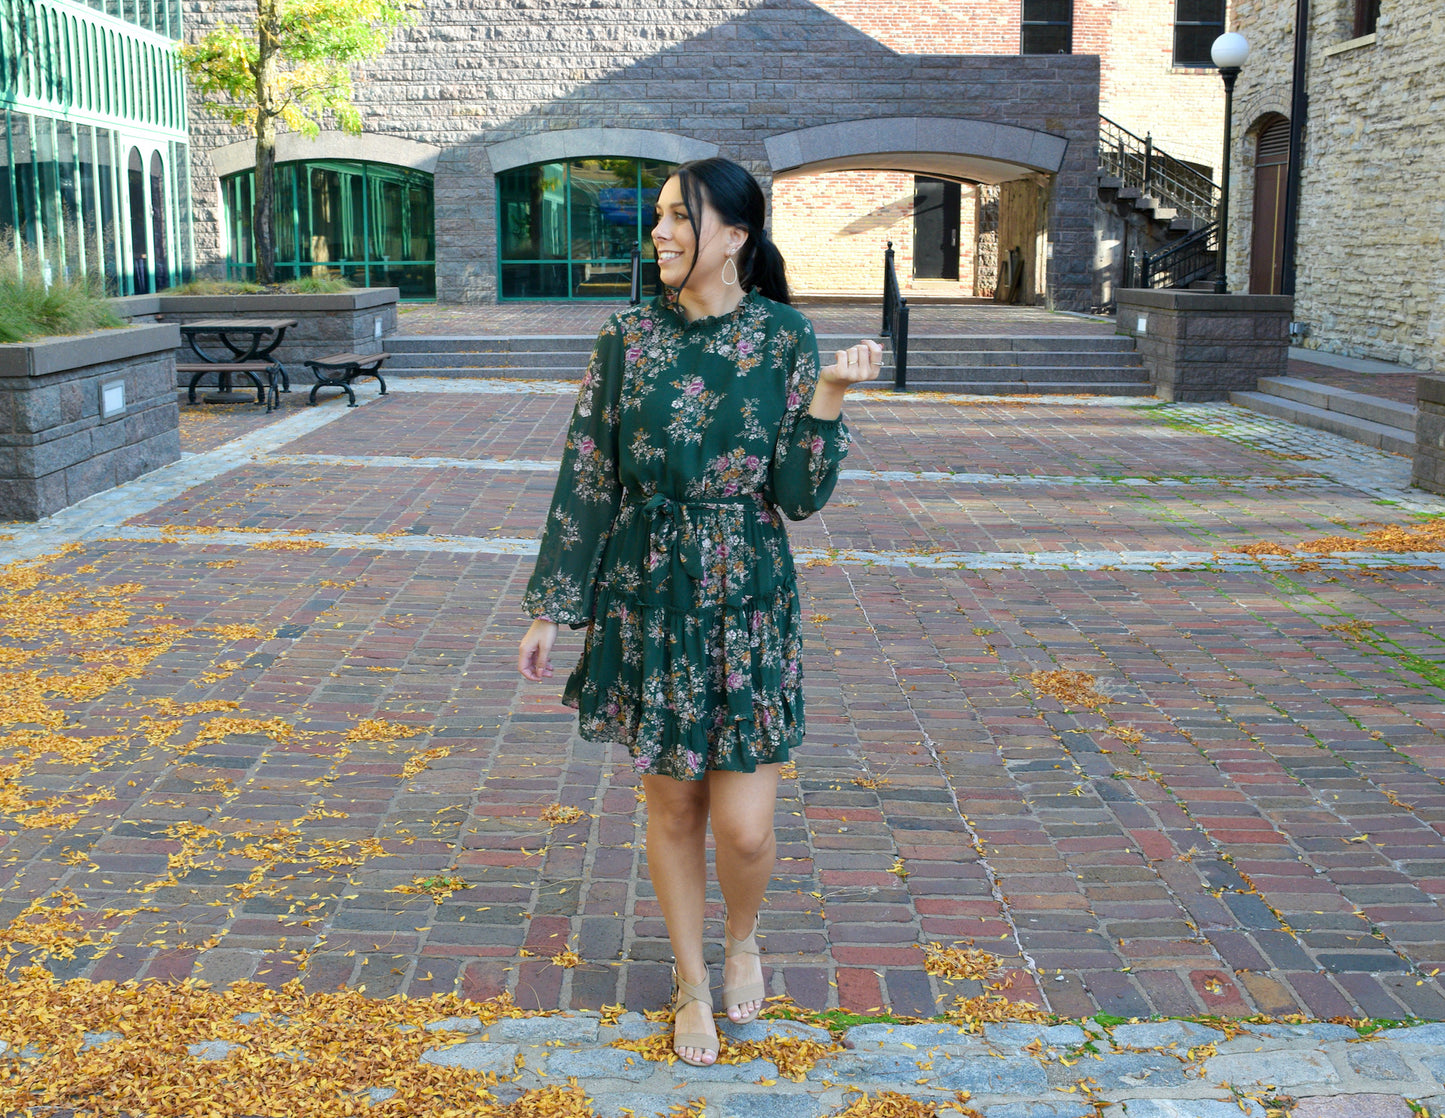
(733, 264)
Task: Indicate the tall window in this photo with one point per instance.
(1367, 14)
(567, 229)
(1197, 23)
(1048, 27)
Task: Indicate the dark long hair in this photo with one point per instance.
(732, 191)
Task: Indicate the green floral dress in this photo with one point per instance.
(665, 540)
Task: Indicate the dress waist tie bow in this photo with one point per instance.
(675, 542)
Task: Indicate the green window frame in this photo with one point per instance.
(566, 228)
(374, 223)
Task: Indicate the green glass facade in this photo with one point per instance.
(567, 230)
(372, 223)
(95, 166)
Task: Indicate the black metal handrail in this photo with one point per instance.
(1136, 162)
(1179, 263)
(895, 320)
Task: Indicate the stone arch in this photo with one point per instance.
(369, 147)
(583, 143)
(946, 147)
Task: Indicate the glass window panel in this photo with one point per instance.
(534, 212)
(353, 231)
(68, 240)
(652, 175)
(1200, 11)
(1046, 39)
(285, 205)
(105, 168)
(1048, 11)
(135, 181)
(185, 223)
(603, 197)
(160, 239)
(1192, 43)
(326, 215)
(89, 223)
(26, 219)
(421, 220)
(388, 218)
(8, 220)
(48, 184)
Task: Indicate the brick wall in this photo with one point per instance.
(1372, 199)
(1139, 85)
(833, 229)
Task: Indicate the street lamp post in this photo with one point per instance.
(1228, 52)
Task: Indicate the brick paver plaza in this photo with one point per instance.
(1233, 805)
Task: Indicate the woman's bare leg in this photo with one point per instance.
(741, 806)
(677, 862)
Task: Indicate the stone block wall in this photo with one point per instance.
(728, 72)
(1371, 195)
(55, 448)
(1429, 471)
(1198, 346)
(353, 322)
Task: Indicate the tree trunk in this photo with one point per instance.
(264, 217)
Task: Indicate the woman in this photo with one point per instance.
(702, 415)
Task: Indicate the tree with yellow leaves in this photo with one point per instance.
(292, 65)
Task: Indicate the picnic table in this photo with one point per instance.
(249, 343)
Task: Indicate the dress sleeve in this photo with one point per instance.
(809, 450)
(587, 497)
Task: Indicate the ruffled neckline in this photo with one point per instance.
(667, 303)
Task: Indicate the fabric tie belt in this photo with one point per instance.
(676, 543)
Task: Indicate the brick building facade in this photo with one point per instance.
(800, 92)
(1371, 196)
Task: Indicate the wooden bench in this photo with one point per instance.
(340, 369)
(263, 374)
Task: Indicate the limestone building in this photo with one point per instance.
(512, 150)
(1371, 203)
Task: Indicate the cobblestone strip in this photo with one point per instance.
(528, 465)
(1376, 472)
(1167, 1069)
(942, 560)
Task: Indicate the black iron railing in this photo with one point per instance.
(1136, 162)
(1178, 264)
(895, 320)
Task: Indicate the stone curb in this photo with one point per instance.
(1163, 1069)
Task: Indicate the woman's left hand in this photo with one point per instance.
(855, 365)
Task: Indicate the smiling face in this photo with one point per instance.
(677, 244)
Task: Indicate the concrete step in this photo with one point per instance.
(417, 343)
(1001, 343)
(1376, 409)
(1378, 435)
(497, 372)
(1021, 359)
(473, 359)
(1067, 374)
(1028, 388)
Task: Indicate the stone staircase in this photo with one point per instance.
(1383, 424)
(1095, 365)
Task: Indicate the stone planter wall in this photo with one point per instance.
(55, 447)
(1201, 346)
(326, 324)
(1429, 472)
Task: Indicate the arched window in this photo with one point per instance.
(566, 230)
(372, 223)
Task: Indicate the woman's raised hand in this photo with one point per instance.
(532, 657)
(855, 365)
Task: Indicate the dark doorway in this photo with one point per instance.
(936, 225)
(139, 246)
(158, 222)
(1266, 250)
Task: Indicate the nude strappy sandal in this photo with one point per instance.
(683, 995)
(753, 991)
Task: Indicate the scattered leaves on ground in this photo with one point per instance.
(1070, 688)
